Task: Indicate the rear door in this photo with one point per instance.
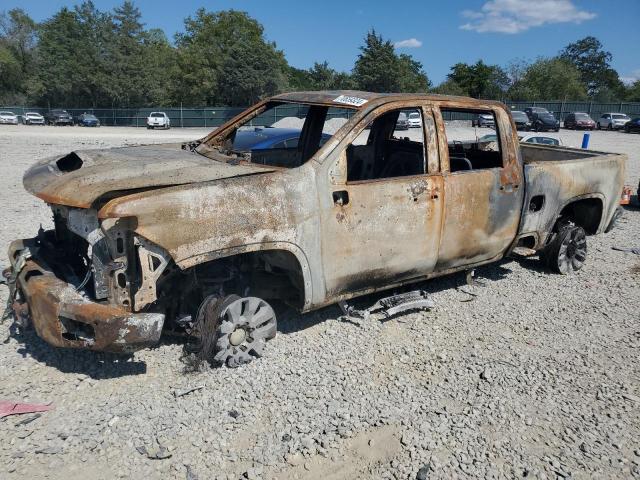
(483, 187)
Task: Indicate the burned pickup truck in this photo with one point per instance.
(202, 238)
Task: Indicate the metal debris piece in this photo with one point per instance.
(186, 391)
(472, 280)
(634, 250)
(190, 474)
(154, 453)
(9, 277)
(390, 306)
(12, 408)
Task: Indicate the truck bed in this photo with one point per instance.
(558, 176)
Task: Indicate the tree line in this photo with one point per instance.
(85, 57)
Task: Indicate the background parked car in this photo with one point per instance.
(540, 139)
(632, 125)
(415, 120)
(531, 138)
(402, 123)
(543, 121)
(530, 111)
(612, 121)
(483, 120)
(33, 118)
(87, 120)
(578, 120)
(158, 120)
(521, 120)
(8, 118)
(262, 138)
(58, 117)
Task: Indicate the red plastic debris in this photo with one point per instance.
(12, 408)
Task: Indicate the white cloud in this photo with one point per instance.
(632, 77)
(514, 16)
(408, 43)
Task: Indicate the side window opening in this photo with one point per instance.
(391, 146)
(471, 148)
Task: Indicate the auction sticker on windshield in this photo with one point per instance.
(347, 100)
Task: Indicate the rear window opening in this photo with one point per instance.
(469, 150)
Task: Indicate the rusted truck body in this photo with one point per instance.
(191, 237)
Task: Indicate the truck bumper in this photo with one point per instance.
(63, 317)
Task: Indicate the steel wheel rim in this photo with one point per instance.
(573, 251)
(245, 326)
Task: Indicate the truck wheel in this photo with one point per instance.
(233, 330)
(567, 251)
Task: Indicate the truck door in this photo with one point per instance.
(483, 186)
(381, 204)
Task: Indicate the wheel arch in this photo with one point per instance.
(297, 257)
(586, 211)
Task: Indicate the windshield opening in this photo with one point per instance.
(619, 116)
(284, 135)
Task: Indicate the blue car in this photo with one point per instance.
(88, 120)
(264, 138)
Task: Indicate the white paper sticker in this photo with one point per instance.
(347, 100)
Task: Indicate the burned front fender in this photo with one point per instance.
(63, 317)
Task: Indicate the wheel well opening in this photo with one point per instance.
(586, 213)
(268, 274)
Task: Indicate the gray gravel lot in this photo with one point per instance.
(533, 375)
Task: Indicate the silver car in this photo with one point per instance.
(612, 121)
(33, 118)
(8, 118)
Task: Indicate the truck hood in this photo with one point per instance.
(81, 177)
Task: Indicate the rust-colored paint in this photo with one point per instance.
(49, 299)
(349, 238)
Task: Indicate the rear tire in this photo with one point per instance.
(567, 251)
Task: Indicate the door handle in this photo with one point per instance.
(341, 197)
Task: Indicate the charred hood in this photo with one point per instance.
(81, 177)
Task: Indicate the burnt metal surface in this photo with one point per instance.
(124, 169)
(65, 318)
(177, 209)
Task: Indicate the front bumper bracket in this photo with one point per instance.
(63, 317)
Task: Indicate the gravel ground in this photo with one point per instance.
(531, 375)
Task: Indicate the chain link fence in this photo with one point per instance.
(215, 116)
(180, 117)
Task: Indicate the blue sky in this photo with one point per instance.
(437, 33)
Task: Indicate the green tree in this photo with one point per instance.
(73, 67)
(127, 56)
(323, 77)
(216, 43)
(412, 76)
(377, 66)
(594, 65)
(18, 41)
(480, 80)
(159, 62)
(633, 92)
(249, 72)
(449, 87)
(549, 79)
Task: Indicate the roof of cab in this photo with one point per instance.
(357, 99)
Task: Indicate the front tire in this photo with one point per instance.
(567, 251)
(232, 330)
